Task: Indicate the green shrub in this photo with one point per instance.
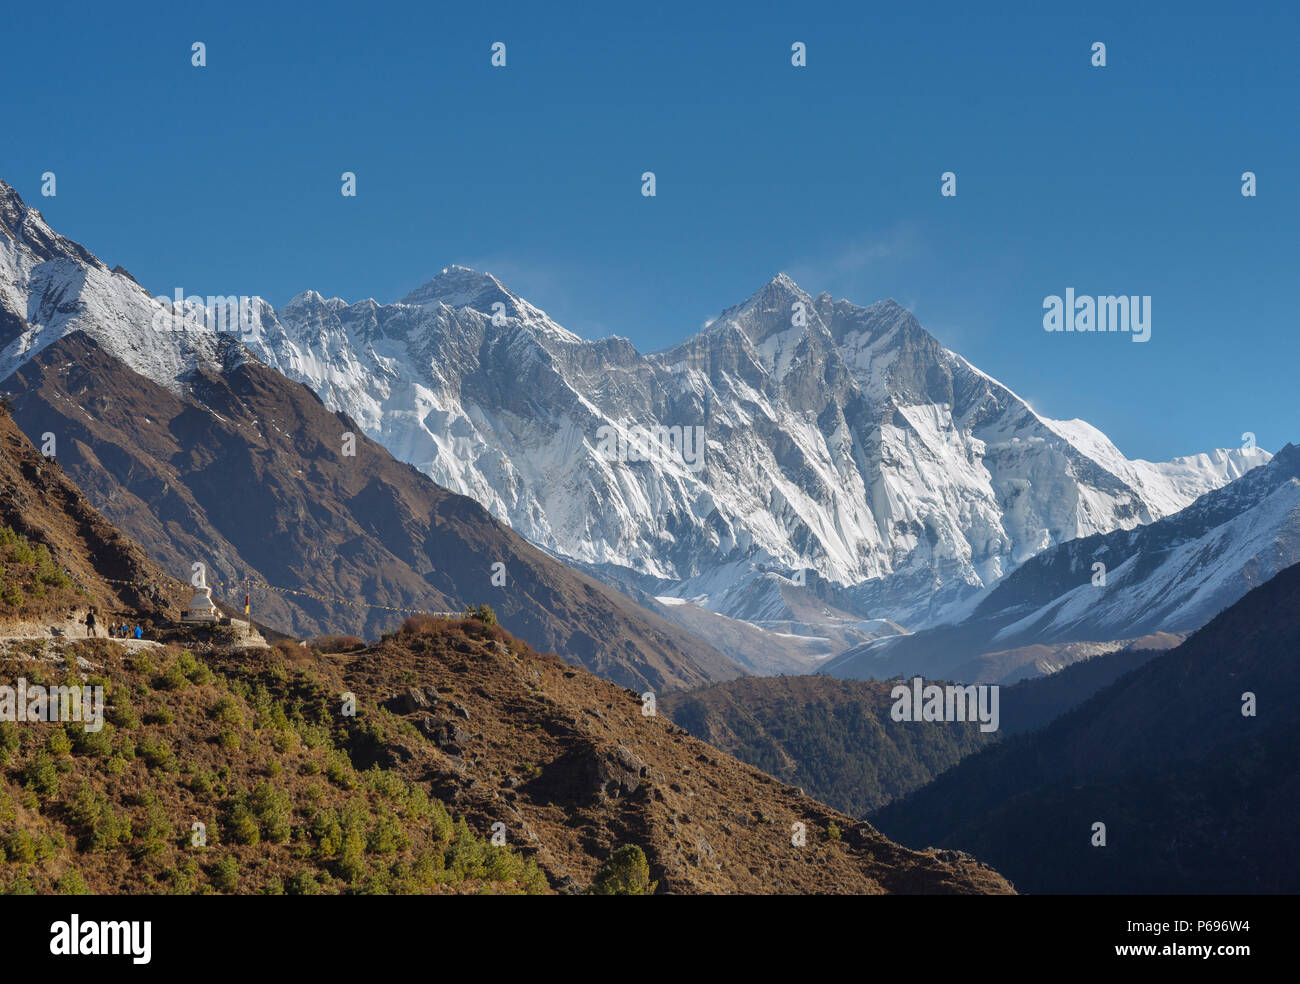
(386, 835)
(193, 670)
(352, 863)
(157, 754)
(313, 735)
(274, 812)
(201, 783)
(154, 827)
(225, 874)
(184, 878)
(282, 741)
(59, 744)
(22, 847)
(226, 710)
(9, 741)
(173, 678)
(339, 770)
(303, 883)
(97, 826)
(483, 613)
(21, 885)
(443, 827)
(47, 573)
(71, 883)
(122, 713)
(625, 873)
(41, 776)
(93, 744)
(385, 782)
(242, 825)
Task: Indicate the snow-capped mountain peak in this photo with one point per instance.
(24, 227)
(460, 286)
(51, 286)
(839, 439)
(807, 438)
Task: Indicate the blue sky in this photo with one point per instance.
(1123, 179)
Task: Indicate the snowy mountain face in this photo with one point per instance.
(51, 287)
(841, 441)
(1171, 576)
(796, 439)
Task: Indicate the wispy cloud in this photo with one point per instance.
(858, 267)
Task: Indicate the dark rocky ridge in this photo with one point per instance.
(1196, 796)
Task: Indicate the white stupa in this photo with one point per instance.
(201, 607)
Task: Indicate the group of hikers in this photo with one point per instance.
(115, 630)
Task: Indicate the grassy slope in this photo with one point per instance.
(254, 753)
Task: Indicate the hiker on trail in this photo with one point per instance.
(139, 633)
(90, 622)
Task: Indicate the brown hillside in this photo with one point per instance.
(40, 503)
(574, 770)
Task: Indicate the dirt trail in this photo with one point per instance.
(71, 628)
